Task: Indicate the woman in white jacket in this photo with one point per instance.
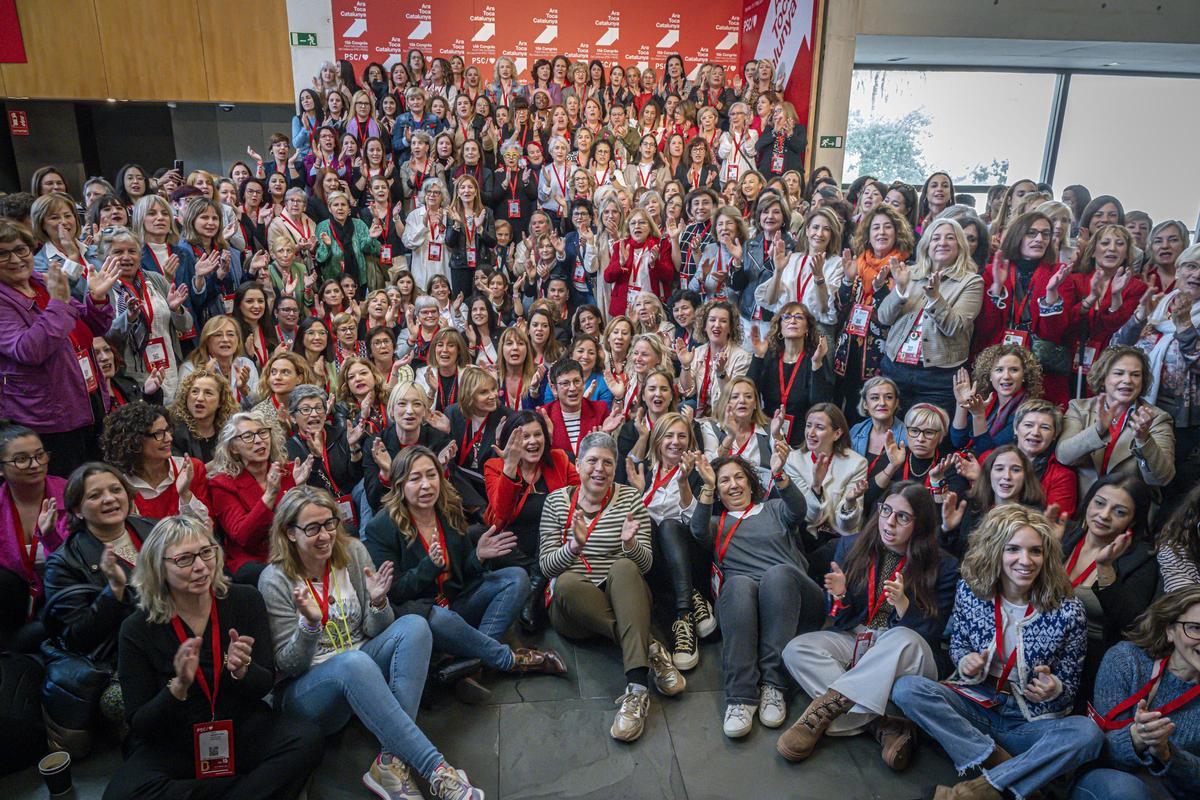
(831, 475)
(425, 232)
(809, 273)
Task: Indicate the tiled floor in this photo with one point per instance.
(546, 737)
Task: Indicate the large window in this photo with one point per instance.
(980, 127)
(1135, 138)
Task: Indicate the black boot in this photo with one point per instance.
(533, 614)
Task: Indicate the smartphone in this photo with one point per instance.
(178, 166)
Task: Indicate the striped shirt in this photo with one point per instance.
(603, 546)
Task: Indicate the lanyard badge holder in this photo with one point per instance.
(212, 741)
(910, 351)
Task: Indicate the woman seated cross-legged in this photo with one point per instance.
(893, 591)
(596, 547)
(341, 649)
(1018, 641)
(760, 581)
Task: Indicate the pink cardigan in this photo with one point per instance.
(10, 555)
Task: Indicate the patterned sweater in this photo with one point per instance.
(603, 546)
(1056, 638)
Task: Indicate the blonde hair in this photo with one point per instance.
(448, 505)
(200, 356)
(758, 418)
(962, 268)
(283, 549)
(470, 380)
(835, 230)
(660, 432)
(149, 580)
(983, 565)
(402, 390)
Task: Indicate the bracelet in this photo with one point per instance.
(304, 626)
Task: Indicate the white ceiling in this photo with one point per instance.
(1027, 54)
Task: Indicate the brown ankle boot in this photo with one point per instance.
(974, 789)
(527, 660)
(998, 757)
(798, 741)
(896, 739)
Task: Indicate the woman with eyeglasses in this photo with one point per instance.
(198, 649)
(335, 446)
(1144, 703)
(893, 591)
(137, 439)
(33, 524)
(921, 457)
(248, 474)
(788, 368)
(47, 363)
(342, 650)
(1018, 640)
(87, 598)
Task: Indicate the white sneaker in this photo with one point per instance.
(772, 708)
(739, 719)
(631, 717)
(389, 778)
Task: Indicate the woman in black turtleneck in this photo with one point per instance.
(345, 244)
(788, 368)
(1017, 279)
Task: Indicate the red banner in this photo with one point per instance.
(12, 46)
(625, 32)
(783, 32)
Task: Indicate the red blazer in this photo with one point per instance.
(591, 414)
(504, 494)
(991, 322)
(1097, 327)
(1062, 486)
(237, 506)
(662, 273)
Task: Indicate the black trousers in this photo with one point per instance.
(679, 562)
(273, 755)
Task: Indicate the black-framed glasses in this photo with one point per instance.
(160, 436)
(18, 253)
(27, 460)
(185, 560)
(249, 437)
(314, 528)
(902, 517)
(1190, 629)
(1037, 233)
(310, 411)
(926, 433)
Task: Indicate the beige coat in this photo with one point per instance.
(1080, 446)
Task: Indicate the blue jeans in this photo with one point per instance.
(1110, 784)
(365, 512)
(1042, 750)
(381, 683)
(477, 618)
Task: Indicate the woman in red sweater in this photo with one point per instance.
(1090, 305)
(517, 483)
(249, 473)
(1037, 425)
(640, 263)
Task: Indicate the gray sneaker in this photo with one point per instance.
(389, 778)
(667, 677)
(448, 783)
(631, 717)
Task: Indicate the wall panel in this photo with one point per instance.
(151, 50)
(246, 50)
(62, 44)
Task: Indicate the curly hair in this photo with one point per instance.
(1108, 358)
(983, 564)
(757, 493)
(906, 242)
(701, 321)
(775, 331)
(1031, 368)
(1150, 630)
(227, 406)
(124, 429)
(1181, 533)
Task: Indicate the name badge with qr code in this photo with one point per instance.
(213, 748)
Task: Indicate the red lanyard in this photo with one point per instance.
(328, 472)
(737, 146)
(801, 281)
(323, 599)
(453, 392)
(514, 403)
(261, 347)
(745, 444)
(658, 484)
(1083, 576)
(873, 602)
(707, 376)
(434, 227)
(524, 496)
(133, 537)
(28, 551)
(601, 181)
(217, 659)
(514, 180)
(723, 546)
(1018, 309)
(697, 239)
(1012, 657)
(336, 238)
(464, 452)
(694, 178)
(141, 291)
(644, 177)
(567, 531)
(1109, 721)
(1114, 433)
(445, 573)
(786, 389)
(561, 180)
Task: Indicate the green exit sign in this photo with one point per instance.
(301, 39)
(830, 142)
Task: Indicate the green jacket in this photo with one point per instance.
(331, 257)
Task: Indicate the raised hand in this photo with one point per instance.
(707, 474)
(237, 657)
(1114, 549)
(379, 581)
(113, 571)
(776, 427)
(1057, 519)
(1000, 270)
(856, 490)
(614, 420)
(436, 555)
(757, 342)
(47, 517)
(683, 353)
(821, 469)
(901, 273)
(306, 604)
(779, 456)
(933, 283)
(170, 266)
(447, 454)
(894, 590)
(1151, 730)
(438, 420)
(629, 532)
(896, 453)
(822, 350)
(57, 285)
(381, 456)
(835, 580)
(207, 264)
(1140, 421)
(952, 511)
(969, 468)
(511, 453)
(153, 381)
(176, 297)
(100, 281)
(186, 662)
(1104, 415)
(1181, 308)
(355, 433)
(183, 481)
(495, 544)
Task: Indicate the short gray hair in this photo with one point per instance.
(295, 191)
(425, 301)
(432, 183)
(305, 391)
(870, 384)
(597, 439)
(113, 234)
(511, 145)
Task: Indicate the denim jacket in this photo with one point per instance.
(860, 435)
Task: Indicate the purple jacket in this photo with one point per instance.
(41, 385)
(10, 557)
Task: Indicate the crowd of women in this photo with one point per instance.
(589, 351)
